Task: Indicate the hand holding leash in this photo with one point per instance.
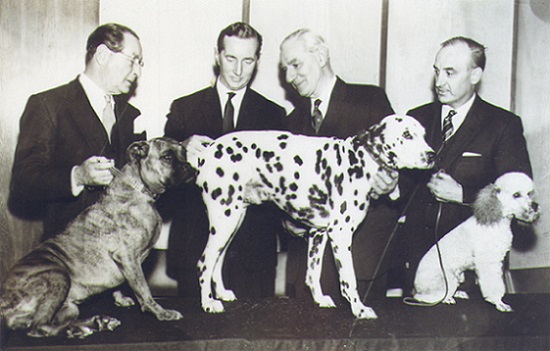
(445, 188)
(94, 171)
(384, 182)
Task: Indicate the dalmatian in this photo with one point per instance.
(321, 182)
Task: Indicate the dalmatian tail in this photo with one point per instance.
(194, 146)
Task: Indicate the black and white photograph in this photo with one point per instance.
(289, 175)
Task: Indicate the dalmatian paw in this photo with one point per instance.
(213, 306)
(461, 294)
(501, 306)
(449, 301)
(325, 301)
(226, 295)
(364, 312)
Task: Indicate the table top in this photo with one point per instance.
(289, 324)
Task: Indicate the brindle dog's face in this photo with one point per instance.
(162, 163)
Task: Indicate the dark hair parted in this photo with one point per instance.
(110, 34)
(477, 50)
(240, 30)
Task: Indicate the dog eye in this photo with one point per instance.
(407, 135)
(516, 195)
(167, 158)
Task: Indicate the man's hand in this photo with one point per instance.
(384, 182)
(95, 171)
(445, 188)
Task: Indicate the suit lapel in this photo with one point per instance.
(336, 106)
(212, 113)
(467, 131)
(84, 117)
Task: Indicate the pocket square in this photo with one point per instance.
(471, 154)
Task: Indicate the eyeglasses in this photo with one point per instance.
(135, 60)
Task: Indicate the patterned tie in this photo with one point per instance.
(228, 111)
(317, 116)
(448, 126)
(108, 116)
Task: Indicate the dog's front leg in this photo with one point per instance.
(341, 248)
(130, 268)
(316, 249)
(492, 285)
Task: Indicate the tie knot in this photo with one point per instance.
(231, 95)
(451, 113)
(317, 103)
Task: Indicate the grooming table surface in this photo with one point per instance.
(287, 324)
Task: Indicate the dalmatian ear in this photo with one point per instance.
(137, 151)
(487, 207)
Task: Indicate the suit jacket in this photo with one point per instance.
(59, 130)
(254, 246)
(352, 109)
(490, 142)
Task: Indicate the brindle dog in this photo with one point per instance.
(99, 250)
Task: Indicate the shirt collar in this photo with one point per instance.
(94, 93)
(461, 112)
(236, 100)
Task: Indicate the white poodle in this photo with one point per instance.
(480, 243)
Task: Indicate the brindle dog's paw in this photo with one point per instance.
(84, 328)
(121, 300)
(169, 315)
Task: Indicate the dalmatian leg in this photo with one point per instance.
(316, 248)
(222, 229)
(341, 247)
(221, 292)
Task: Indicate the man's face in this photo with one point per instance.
(455, 76)
(302, 68)
(237, 61)
(123, 69)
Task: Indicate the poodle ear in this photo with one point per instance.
(487, 207)
(137, 151)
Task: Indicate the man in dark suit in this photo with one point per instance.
(331, 107)
(71, 135)
(230, 104)
(477, 143)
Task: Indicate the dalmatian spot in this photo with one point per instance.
(216, 193)
(213, 230)
(268, 155)
(258, 153)
(338, 180)
(282, 145)
(343, 207)
(236, 158)
(227, 212)
(298, 160)
(278, 166)
(293, 186)
(205, 187)
(229, 150)
(282, 137)
(296, 175)
(218, 154)
(236, 177)
(220, 172)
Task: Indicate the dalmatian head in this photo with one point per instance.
(511, 196)
(398, 142)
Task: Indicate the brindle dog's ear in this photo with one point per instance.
(137, 151)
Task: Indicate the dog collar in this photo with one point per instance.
(138, 186)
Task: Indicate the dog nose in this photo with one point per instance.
(535, 206)
(430, 155)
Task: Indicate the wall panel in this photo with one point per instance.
(42, 45)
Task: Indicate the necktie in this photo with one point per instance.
(108, 117)
(228, 112)
(317, 116)
(448, 126)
